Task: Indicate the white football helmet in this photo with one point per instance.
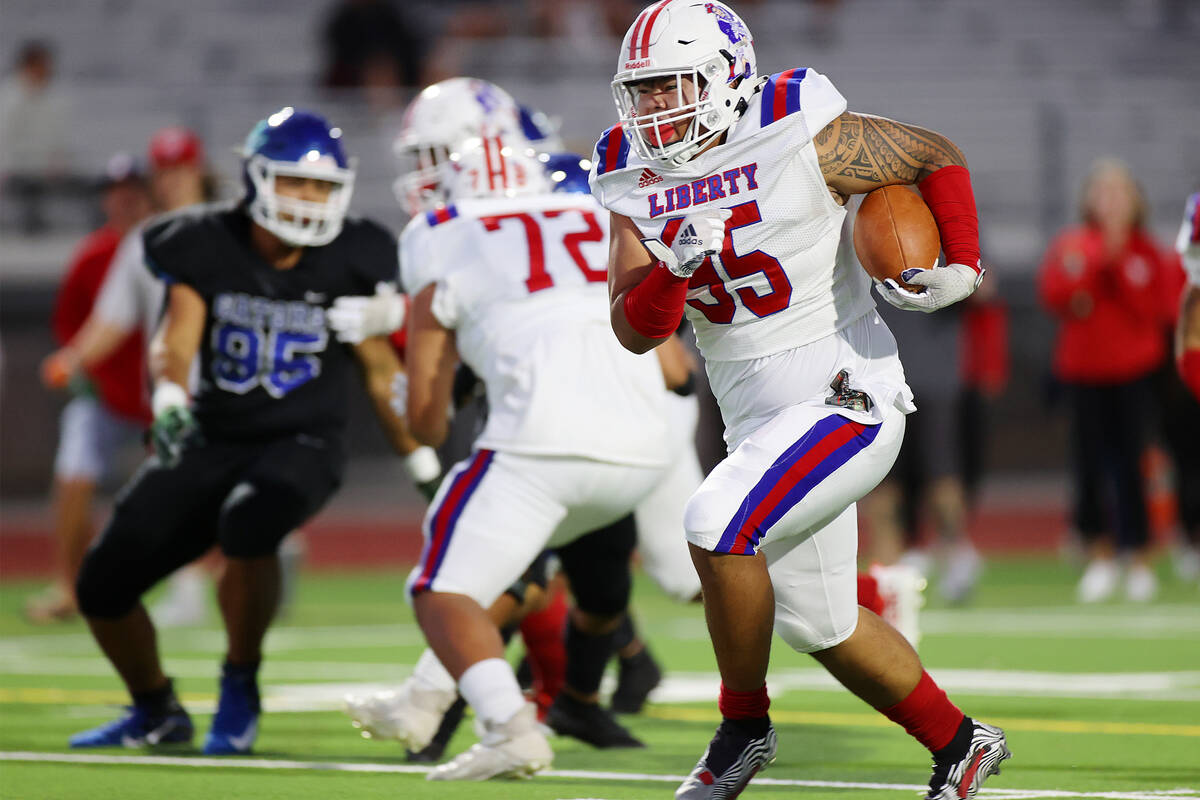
(701, 43)
(438, 121)
(494, 166)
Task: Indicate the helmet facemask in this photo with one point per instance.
(300, 223)
(418, 188)
(719, 101)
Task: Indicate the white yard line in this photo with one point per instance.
(325, 682)
(281, 639)
(587, 775)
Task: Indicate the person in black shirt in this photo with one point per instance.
(258, 448)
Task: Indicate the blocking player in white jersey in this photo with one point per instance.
(510, 279)
(726, 189)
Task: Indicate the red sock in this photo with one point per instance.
(927, 714)
(545, 646)
(868, 594)
(744, 705)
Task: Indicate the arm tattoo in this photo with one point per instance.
(881, 151)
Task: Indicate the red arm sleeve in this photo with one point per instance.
(948, 194)
(654, 308)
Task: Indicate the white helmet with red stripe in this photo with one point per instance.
(704, 44)
(494, 166)
(437, 122)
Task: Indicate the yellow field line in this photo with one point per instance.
(683, 714)
(862, 720)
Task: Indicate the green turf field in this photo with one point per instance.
(1097, 702)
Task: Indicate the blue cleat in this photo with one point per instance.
(138, 729)
(235, 725)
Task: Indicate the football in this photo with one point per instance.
(894, 231)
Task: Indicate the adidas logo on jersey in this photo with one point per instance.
(648, 178)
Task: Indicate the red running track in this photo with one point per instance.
(27, 546)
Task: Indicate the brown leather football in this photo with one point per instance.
(894, 231)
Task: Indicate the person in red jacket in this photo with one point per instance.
(1103, 280)
(108, 406)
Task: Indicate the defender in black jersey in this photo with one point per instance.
(258, 448)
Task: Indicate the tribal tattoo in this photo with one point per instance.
(857, 149)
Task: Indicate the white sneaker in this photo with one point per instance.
(963, 566)
(902, 588)
(1099, 581)
(513, 749)
(410, 715)
(1141, 585)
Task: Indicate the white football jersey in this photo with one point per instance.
(778, 283)
(131, 296)
(523, 284)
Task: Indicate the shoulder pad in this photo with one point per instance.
(440, 215)
(612, 151)
(781, 95)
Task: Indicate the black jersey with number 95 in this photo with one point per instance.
(269, 364)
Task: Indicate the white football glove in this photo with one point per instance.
(1188, 243)
(701, 234)
(944, 286)
(356, 318)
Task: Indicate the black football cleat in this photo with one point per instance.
(588, 722)
(636, 678)
(733, 757)
(960, 778)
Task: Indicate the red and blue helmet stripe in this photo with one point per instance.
(612, 151)
(781, 95)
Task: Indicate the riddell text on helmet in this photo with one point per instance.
(703, 190)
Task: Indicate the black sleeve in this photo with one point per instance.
(374, 256)
(172, 245)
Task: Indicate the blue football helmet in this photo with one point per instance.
(568, 172)
(540, 129)
(297, 144)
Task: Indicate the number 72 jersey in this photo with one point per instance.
(522, 282)
(777, 283)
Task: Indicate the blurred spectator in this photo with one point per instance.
(985, 368)
(926, 480)
(108, 408)
(1103, 281)
(34, 126)
(127, 305)
(371, 42)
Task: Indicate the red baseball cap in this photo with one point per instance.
(175, 146)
